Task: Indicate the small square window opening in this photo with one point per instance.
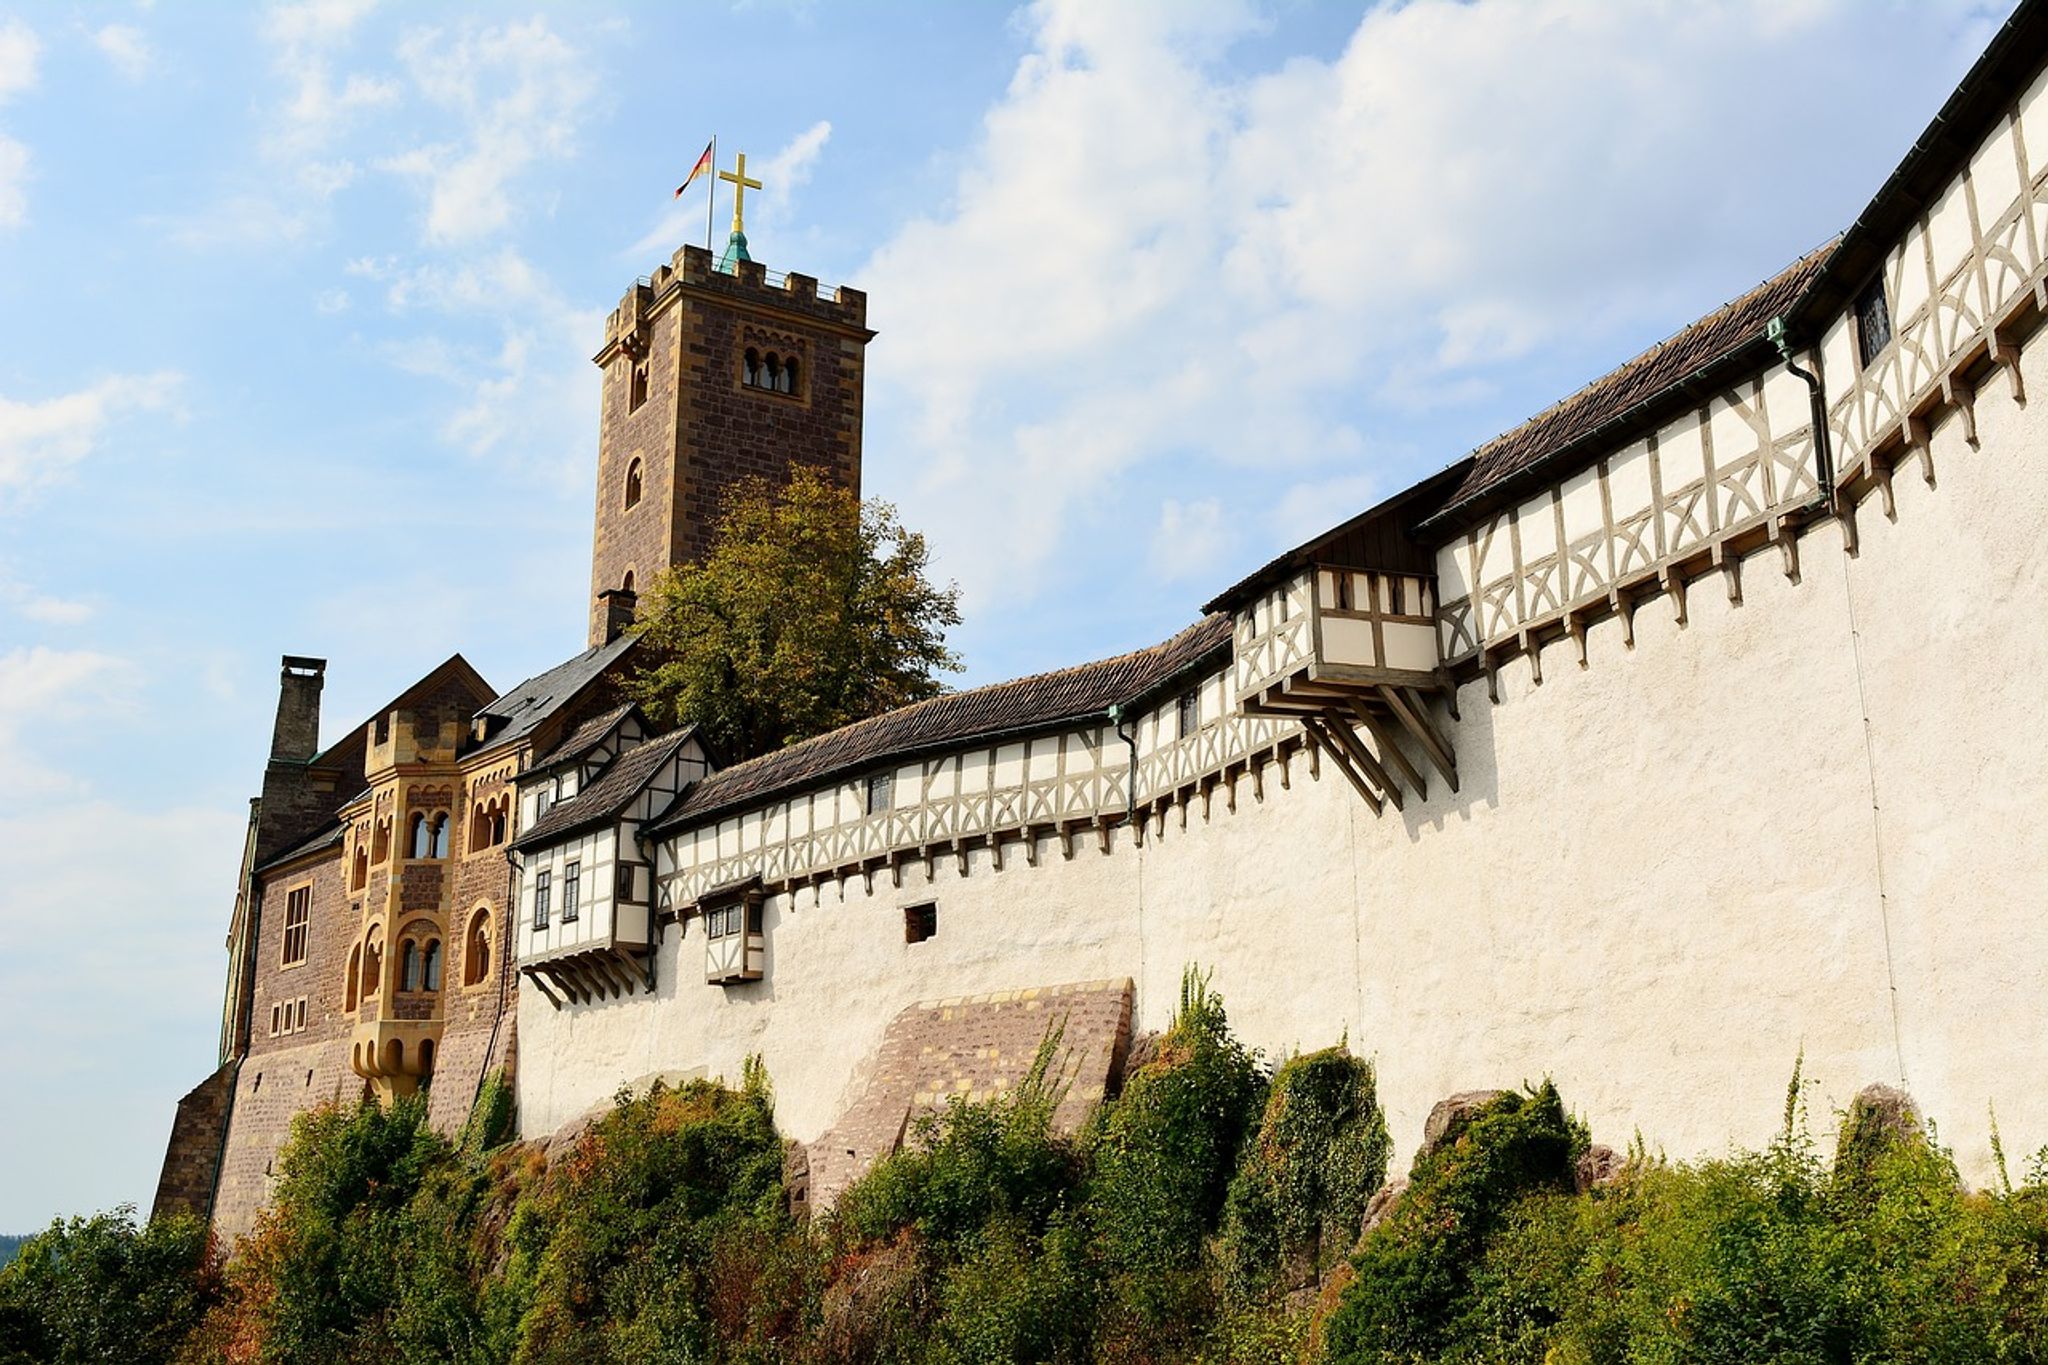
(920, 922)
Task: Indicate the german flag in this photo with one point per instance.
(703, 167)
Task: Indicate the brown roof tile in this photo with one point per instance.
(1554, 434)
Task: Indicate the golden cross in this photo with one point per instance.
(737, 178)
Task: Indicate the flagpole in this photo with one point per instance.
(711, 195)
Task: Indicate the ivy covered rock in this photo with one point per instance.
(1309, 1174)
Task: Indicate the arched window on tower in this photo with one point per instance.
(637, 387)
(430, 965)
(361, 876)
(351, 990)
(750, 369)
(627, 582)
(440, 839)
(500, 814)
(418, 837)
(409, 966)
(788, 377)
(476, 949)
(632, 485)
(373, 967)
(380, 844)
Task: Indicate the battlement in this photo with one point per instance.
(406, 736)
(693, 268)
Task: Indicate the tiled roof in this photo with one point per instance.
(526, 706)
(584, 737)
(1592, 414)
(613, 791)
(1041, 702)
(329, 837)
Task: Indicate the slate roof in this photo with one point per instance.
(610, 794)
(330, 837)
(1042, 702)
(1681, 368)
(584, 737)
(527, 706)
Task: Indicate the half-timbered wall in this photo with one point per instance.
(1953, 285)
(1065, 785)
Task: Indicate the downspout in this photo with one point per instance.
(1121, 720)
(1823, 450)
(506, 938)
(654, 925)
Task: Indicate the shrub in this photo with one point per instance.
(1413, 1295)
(1162, 1156)
(970, 1165)
(1320, 1153)
(617, 1244)
(103, 1288)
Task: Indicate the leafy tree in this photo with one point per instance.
(812, 610)
(104, 1288)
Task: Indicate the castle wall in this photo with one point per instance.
(287, 1072)
(1665, 877)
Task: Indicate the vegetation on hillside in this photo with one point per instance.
(1208, 1213)
(812, 610)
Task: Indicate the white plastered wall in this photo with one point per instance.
(1659, 885)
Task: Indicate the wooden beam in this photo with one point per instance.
(1368, 763)
(1324, 744)
(542, 987)
(1389, 750)
(1413, 713)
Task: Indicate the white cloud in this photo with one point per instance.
(331, 301)
(40, 686)
(524, 401)
(124, 46)
(19, 53)
(1189, 540)
(40, 441)
(1150, 255)
(781, 175)
(519, 91)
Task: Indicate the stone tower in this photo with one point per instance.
(709, 378)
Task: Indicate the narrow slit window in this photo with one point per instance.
(1188, 713)
(1873, 322)
(540, 900)
(637, 388)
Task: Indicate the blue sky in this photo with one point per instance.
(296, 305)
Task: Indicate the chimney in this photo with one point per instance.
(297, 735)
(620, 607)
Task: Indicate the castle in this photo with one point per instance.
(1690, 727)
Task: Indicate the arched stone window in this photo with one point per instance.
(785, 381)
(636, 392)
(409, 966)
(426, 1058)
(352, 987)
(750, 370)
(632, 485)
(373, 966)
(430, 965)
(476, 949)
(626, 583)
(361, 877)
(771, 372)
(418, 836)
(380, 844)
(501, 815)
(440, 836)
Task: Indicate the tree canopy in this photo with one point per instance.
(812, 610)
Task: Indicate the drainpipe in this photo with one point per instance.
(1823, 451)
(1121, 720)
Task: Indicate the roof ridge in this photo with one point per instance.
(981, 690)
(1663, 343)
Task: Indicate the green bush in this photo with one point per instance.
(1413, 1295)
(105, 1289)
(618, 1246)
(1162, 1156)
(1319, 1156)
